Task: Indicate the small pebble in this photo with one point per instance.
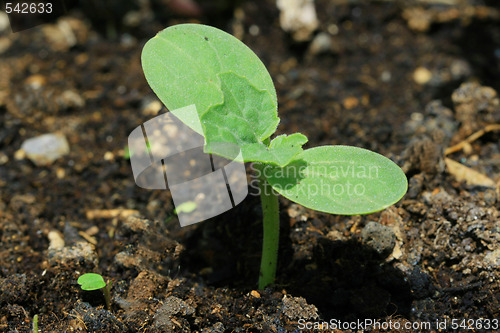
(350, 102)
(36, 81)
(45, 149)
(56, 240)
(4, 22)
(379, 237)
(385, 76)
(297, 307)
(333, 29)
(92, 231)
(422, 75)
(298, 17)
(109, 156)
(71, 99)
(171, 306)
(3, 158)
(80, 254)
(254, 30)
(493, 258)
(19, 155)
(60, 173)
(322, 43)
(151, 107)
(5, 43)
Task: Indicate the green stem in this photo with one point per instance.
(107, 296)
(35, 324)
(271, 226)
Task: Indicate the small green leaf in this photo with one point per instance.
(127, 153)
(247, 115)
(339, 180)
(236, 121)
(186, 207)
(281, 151)
(91, 281)
(286, 147)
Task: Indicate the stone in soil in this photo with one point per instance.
(297, 307)
(13, 289)
(173, 306)
(45, 149)
(96, 320)
(378, 237)
(475, 106)
(80, 254)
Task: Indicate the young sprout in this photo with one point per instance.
(93, 281)
(236, 103)
(127, 154)
(35, 324)
(185, 207)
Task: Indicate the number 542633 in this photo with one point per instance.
(28, 8)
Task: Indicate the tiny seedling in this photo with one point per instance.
(185, 207)
(236, 103)
(93, 281)
(35, 324)
(127, 154)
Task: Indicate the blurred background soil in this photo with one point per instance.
(410, 80)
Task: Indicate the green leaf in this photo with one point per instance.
(281, 151)
(186, 207)
(233, 94)
(91, 281)
(339, 180)
(247, 115)
(184, 63)
(236, 121)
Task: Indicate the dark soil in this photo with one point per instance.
(386, 82)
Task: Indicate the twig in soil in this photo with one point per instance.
(440, 2)
(109, 213)
(472, 138)
(78, 318)
(470, 176)
(88, 238)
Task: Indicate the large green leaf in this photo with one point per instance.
(233, 94)
(339, 180)
(183, 65)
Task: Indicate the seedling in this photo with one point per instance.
(186, 207)
(93, 281)
(127, 154)
(236, 103)
(35, 324)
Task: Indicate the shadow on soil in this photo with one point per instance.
(344, 279)
(347, 280)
